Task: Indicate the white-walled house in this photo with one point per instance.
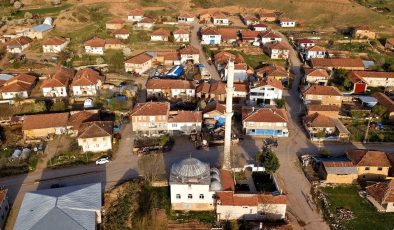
(17, 45)
(121, 34)
(185, 18)
(260, 27)
(181, 35)
(269, 36)
(55, 45)
(139, 63)
(19, 86)
(305, 43)
(219, 19)
(265, 122)
(170, 88)
(184, 122)
(145, 23)
(86, 83)
(317, 76)
(286, 22)
(210, 37)
(266, 91)
(95, 46)
(314, 52)
(95, 136)
(190, 53)
(374, 78)
(279, 50)
(160, 34)
(57, 84)
(382, 194)
(135, 15)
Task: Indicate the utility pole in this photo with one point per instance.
(366, 132)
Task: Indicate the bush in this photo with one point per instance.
(270, 161)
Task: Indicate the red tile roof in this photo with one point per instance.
(267, 115)
(316, 48)
(250, 34)
(189, 50)
(382, 192)
(146, 20)
(44, 121)
(116, 21)
(317, 108)
(390, 41)
(185, 116)
(322, 90)
(385, 101)
(305, 41)
(181, 31)
(222, 58)
(227, 180)
(370, 74)
(19, 83)
(215, 106)
(270, 81)
(161, 32)
(151, 109)
(319, 120)
(139, 59)
(218, 88)
(338, 164)
(277, 46)
(76, 119)
(210, 31)
(260, 25)
(228, 33)
(203, 87)
(121, 31)
(231, 199)
(95, 129)
(287, 20)
(186, 15)
(241, 87)
(272, 70)
(317, 73)
(113, 41)
(54, 41)
(86, 77)
(269, 34)
(95, 42)
(364, 157)
(20, 41)
(337, 62)
(169, 84)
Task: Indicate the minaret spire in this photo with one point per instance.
(228, 114)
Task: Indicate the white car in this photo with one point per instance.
(102, 161)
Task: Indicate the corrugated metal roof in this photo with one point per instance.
(42, 27)
(72, 207)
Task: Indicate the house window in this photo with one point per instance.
(213, 196)
(201, 196)
(178, 196)
(380, 168)
(174, 125)
(366, 168)
(190, 196)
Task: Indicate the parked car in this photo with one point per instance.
(102, 161)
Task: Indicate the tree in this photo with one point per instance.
(114, 59)
(100, 60)
(280, 103)
(28, 15)
(151, 166)
(17, 5)
(58, 105)
(270, 161)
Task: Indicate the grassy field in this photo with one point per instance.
(256, 60)
(47, 11)
(366, 216)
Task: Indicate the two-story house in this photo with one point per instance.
(184, 122)
(190, 53)
(266, 91)
(19, 86)
(57, 83)
(320, 94)
(139, 63)
(170, 89)
(325, 128)
(316, 76)
(95, 136)
(210, 36)
(181, 35)
(186, 18)
(370, 164)
(86, 83)
(260, 27)
(269, 36)
(17, 45)
(389, 44)
(228, 35)
(265, 122)
(160, 34)
(150, 118)
(55, 45)
(278, 50)
(135, 15)
(314, 52)
(95, 46)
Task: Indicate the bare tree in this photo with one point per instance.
(17, 5)
(151, 166)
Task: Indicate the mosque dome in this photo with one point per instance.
(190, 168)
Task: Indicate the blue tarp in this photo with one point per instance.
(175, 72)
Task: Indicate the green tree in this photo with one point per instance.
(280, 103)
(379, 110)
(270, 161)
(114, 59)
(58, 105)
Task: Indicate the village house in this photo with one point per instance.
(150, 118)
(184, 122)
(266, 16)
(43, 125)
(389, 44)
(121, 34)
(19, 86)
(165, 57)
(170, 89)
(17, 45)
(250, 36)
(323, 128)
(160, 34)
(274, 71)
(228, 35)
(114, 43)
(115, 24)
(269, 36)
(326, 110)
(338, 63)
(57, 83)
(316, 76)
(95, 136)
(221, 59)
(387, 103)
(265, 122)
(266, 91)
(278, 50)
(363, 32)
(219, 19)
(370, 164)
(78, 117)
(363, 79)
(240, 72)
(287, 22)
(241, 91)
(260, 27)
(214, 113)
(185, 18)
(86, 83)
(249, 19)
(304, 43)
(146, 23)
(382, 194)
(213, 90)
(181, 35)
(55, 45)
(338, 170)
(4, 207)
(139, 63)
(314, 52)
(95, 46)
(210, 36)
(324, 95)
(135, 15)
(38, 31)
(190, 53)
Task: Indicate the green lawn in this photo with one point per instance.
(54, 10)
(366, 216)
(256, 60)
(72, 158)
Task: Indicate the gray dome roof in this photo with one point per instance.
(190, 167)
(215, 185)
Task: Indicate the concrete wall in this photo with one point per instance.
(195, 203)
(97, 144)
(260, 212)
(138, 68)
(373, 173)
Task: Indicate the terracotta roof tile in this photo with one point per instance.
(337, 62)
(364, 157)
(250, 34)
(121, 31)
(277, 46)
(147, 20)
(385, 101)
(227, 180)
(228, 198)
(219, 15)
(228, 33)
(169, 84)
(318, 108)
(269, 34)
(86, 77)
(95, 129)
(261, 25)
(319, 120)
(19, 41)
(116, 21)
(305, 41)
(113, 41)
(316, 48)
(181, 31)
(161, 32)
(185, 116)
(139, 59)
(382, 192)
(19, 83)
(210, 31)
(222, 58)
(241, 87)
(189, 50)
(272, 70)
(203, 87)
(218, 88)
(371, 74)
(76, 119)
(215, 106)
(43, 121)
(54, 41)
(322, 90)
(338, 164)
(95, 42)
(317, 73)
(267, 115)
(186, 15)
(151, 109)
(271, 81)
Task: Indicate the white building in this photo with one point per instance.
(184, 122)
(260, 27)
(210, 37)
(269, 36)
(95, 136)
(305, 43)
(17, 45)
(286, 22)
(86, 82)
(95, 46)
(170, 88)
(146, 23)
(135, 15)
(219, 19)
(190, 53)
(266, 91)
(55, 45)
(193, 185)
(278, 50)
(181, 35)
(314, 52)
(374, 78)
(121, 34)
(265, 122)
(57, 83)
(139, 63)
(160, 34)
(186, 18)
(19, 86)
(317, 76)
